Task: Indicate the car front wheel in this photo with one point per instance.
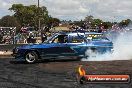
(31, 57)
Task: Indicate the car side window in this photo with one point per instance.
(76, 39)
(61, 39)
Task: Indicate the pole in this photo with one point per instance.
(38, 3)
(38, 16)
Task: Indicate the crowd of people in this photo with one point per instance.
(24, 36)
(27, 36)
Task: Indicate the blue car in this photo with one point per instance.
(61, 45)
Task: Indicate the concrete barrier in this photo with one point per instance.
(9, 47)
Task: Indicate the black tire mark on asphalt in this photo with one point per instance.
(20, 83)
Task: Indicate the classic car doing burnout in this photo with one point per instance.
(60, 45)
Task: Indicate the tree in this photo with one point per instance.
(29, 15)
(125, 22)
(88, 18)
(107, 25)
(97, 22)
(55, 22)
(52, 21)
(9, 21)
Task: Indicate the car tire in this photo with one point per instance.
(31, 57)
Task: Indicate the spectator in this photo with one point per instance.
(1, 38)
(43, 37)
(100, 31)
(31, 39)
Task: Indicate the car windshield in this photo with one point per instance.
(50, 39)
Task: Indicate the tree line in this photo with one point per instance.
(90, 20)
(30, 15)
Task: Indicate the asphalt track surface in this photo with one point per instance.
(57, 74)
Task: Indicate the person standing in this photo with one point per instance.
(43, 37)
(1, 38)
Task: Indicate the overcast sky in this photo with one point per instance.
(108, 10)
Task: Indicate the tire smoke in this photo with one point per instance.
(122, 49)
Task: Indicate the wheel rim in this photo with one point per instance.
(30, 57)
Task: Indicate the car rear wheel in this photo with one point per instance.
(31, 57)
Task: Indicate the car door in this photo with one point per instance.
(77, 44)
(58, 47)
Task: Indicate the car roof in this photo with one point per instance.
(93, 33)
(74, 33)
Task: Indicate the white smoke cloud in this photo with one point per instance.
(122, 50)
